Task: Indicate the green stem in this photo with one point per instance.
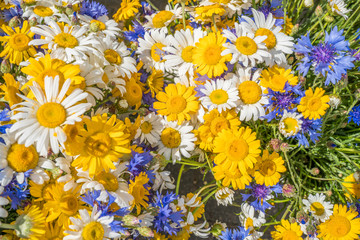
(152, 5)
(7, 226)
(179, 179)
(183, 13)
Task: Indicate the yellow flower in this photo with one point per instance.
(207, 55)
(177, 102)
(10, 89)
(155, 82)
(32, 223)
(134, 92)
(237, 179)
(269, 168)
(17, 48)
(139, 191)
(352, 186)
(132, 127)
(196, 211)
(41, 191)
(127, 10)
(288, 26)
(276, 77)
(72, 137)
(287, 230)
(181, 235)
(314, 104)
(236, 149)
(3, 5)
(54, 231)
(205, 13)
(343, 224)
(101, 143)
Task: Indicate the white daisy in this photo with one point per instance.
(3, 201)
(150, 129)
(163, 18)
(42, 11)
(69, 172)
(245, 47)
(102, 26)
(41, 121)
(224, 196)
(69, 44)
(91, 226)
(93, 80)
(320, 209)
(339, 7)
(151, 49)
(183, 204)
(176, 141)
(251, 94)
(278, 43)
(290, 123)
(220, 95)
(250, 221)
(179, 53)
(16, 159)
(162, 179)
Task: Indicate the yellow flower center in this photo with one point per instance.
(176, 104)
(317, 208)
(51, 115)
(146, 127)
(98, 145)
(238, 150)
(290, 235)
(249, 223)
(314, 104)
(19, 41)
(133, 93)
(291, 125)
(100, 26)
(105, 78)
(69, 204)
(187, 54)
(218, 124)
(157, 53)
(223, 196)
(336, 7)
(112, 56)
(161, 18)
(43, 11)
(66, 40)
(268, 168)
(221, 1)
(171, 138)
(21, 158)
(338, 226)
(270, 41)
(277, 82)
(219, 96)
(246, 45)
(212, 54)
(93, 231)
(249, 92)
(108, 180)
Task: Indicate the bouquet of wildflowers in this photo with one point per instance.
(102, 116)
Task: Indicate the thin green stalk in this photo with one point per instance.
(183, 13)
(179, 179)
(152, 5)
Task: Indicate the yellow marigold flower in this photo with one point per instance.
(177, 102)
(155, 82)
(287, 230)
(196, 211)
(276, 77)
(139, 191)
(72, 137)
(237, 179)
(205, 13)
(127, 10)
(16, 43)
(183, 234)
(132, 127)
(343, 224)
(207, 55)
(31, 223)
(314, 104)
(288, 26)
(10, 89)
(4, 5)
(134, 92)
(236, 149)
(352, 186)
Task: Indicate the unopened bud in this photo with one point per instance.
(123, 103)
(310, 230)
(217, 228)
(315, 171)
(319, 11)
(302, 217)
(308, 3)
(130, 220)
(288, 190)
(33, 21)
(56, 172)
(5, 66)
(69, 11)
(334, 101)
(14, 22)
(134, 46)
(292, 220)
(357, 176)
(299, 56)
(295, 29)
(275, 144)
(329, 193)
(145, 231)
(331, 145)
(74, 20)
(284, 147)
(302, 80)
(329, 18)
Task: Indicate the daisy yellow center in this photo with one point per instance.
(171, 138)
(98, 25)
(21, 158)
(66, 40)
(108, 180)
(317, 208)
(246, 45)
(19, 42)
(212, 54)
(249, 223)
(277, 82)
(176, 104)
(161, 18)
(224, 196)
(290, 235)
(146, 127)
(43, 11)
(98, 145)
(268, 168)
(219, 96)
(249, 92)
(314, 104)
(156, 52)
(69, 204)
(218, 124)
(51, 115)
(221, 1)
(336, 7)
(187, 54)
(338, 226)
(291, 125)
(112, 56)
(105, 78)
(238, 150)
(270, 41)
(93, 231)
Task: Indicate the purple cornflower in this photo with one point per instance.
(311, 128)
(18, 193)
(261, 194)
(15, 11)
(139, 32)
(234, 234)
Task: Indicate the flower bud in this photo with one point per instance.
(357, 176)
(275, 144)
(14, 22)
(295, 29)
(292, 220)
(308, 3)
(319, 11)
(330, 144)
(329, 193)
(329, 18)
(23, 226)
(69, 11)
(130, 220)
(302, 217)
(284, 147)
(299, 56)
(123, 103)
(145, 231)
(56, 172)
(315, 171)
(334, 101)
(288, 190)
(5, 66)
(217, 228)
(33, 21)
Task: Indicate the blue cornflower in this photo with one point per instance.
(138, 161)
(146, 8)
(4, 117)
(138, 32)
(275, 8)
(261, 194)
(311, 128)
(329, 58)
(355, 206)
(93, 9)
(15, 11)
(234, 234)
(166, 217)
(18, 193)
(354, 115)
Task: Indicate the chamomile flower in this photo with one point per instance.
(42, 121)
(163, 18)
(3, 201)
(220, 95)
(317, 205)
(245, 47)
(176, 141)
(290, 124)
(250, 221)
(339, 7)
(102, 26)
(224, 196)
(150, 129)
(277, 43)
(42, 11)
